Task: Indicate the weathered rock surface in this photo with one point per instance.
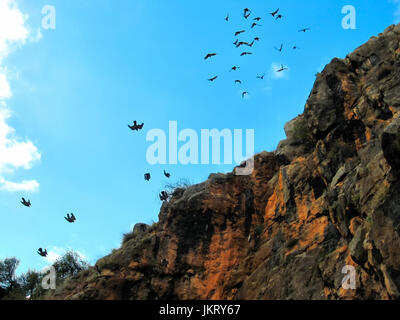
(328, 197)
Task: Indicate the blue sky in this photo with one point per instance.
(67, 95)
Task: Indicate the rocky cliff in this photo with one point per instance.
(326, 198)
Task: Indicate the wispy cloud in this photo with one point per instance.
(275, 74)
(15, 153)
(25, 185)
(54, 253)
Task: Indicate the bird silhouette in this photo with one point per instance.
(246, 13)
(238, 81)
(42, 253)
(168, 175)
(282, 68)
(164, 196)
(304, 30)
(261, 77)
(26, 203)
(209, 55)
(245, 54)
(255, 25)
(295, 47)
(70, 218)
(239, 32)
(234, 68)
(213, 78)
(236, 42)
(274, 13)
(280, 48)
(136, 126)
(257, 39)
(227, 17)
(242, 43)
(257, 19)
(251, 44)
(147, 176)
(244, 93)
(279, 16)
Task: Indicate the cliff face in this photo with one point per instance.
(326, 198)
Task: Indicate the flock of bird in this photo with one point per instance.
(70, 218)
(164, 195)
(137, 127)
(237, 43)
(147, 176)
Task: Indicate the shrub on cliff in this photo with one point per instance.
(69, 265)
(301, 132)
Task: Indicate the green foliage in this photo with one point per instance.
(301, 132)
(30, 281)
(69, 265)
(7, 273)
(128, 236)
(180, 184)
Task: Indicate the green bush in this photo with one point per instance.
(301, 132)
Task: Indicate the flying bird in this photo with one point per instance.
(246, 13)
(227, 17)
(147, 176)
(238, 81)
(236, 42)
(168, 175)
(70, 218)
(234, 68)
(245, 54)
(251, 44)
(213, 78)
(241, 43)
(295, 47)
(257, 39)
(26, 203)
(255, 25)
(239, 32)
(282, 68)
(279, 16)
(280, 48)
(164, 196)
(209, 55)
(304, 30)
(257, 19)
(42, 253)
(244, 93)
(261, 77)
(136, 126)
(274, 13)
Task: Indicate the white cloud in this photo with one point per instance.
(54, 253)
(13, 31)
(15, 153)
(25, 185)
